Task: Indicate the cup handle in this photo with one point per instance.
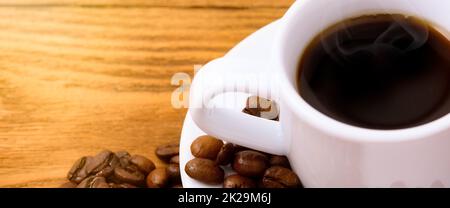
(232, 75)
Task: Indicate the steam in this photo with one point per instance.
(350, 46)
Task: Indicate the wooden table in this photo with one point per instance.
(79, 76)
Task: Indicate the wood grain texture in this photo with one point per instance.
(79, 76)
(250, 4)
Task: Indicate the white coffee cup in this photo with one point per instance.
(322, 151)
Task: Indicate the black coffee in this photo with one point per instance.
(378, 72)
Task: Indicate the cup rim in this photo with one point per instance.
(331, 126)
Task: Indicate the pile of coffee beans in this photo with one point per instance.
(253, 168)
(122, 170)
(170, 176)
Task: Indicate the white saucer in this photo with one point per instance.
(257, 47)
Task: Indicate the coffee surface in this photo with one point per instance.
(378, 72)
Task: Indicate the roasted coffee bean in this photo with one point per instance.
(175, 160)
(102, 164)
(132, 168)
(142, 163)
(261, 107)
(106, 168)
(205, 170)
(173, 170)
(206, 147)
(282, 161)
(99, 162)
(226, 154)
(121, 185)
(106, 172)
(129, 175)
(158, 178)
(69, 185)
(237, 181)
(255, 105)
(93, 182)
(78, 171)
(124, 158)
(250, 163)
(280, 177)
(86, 183)
(166, 152)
